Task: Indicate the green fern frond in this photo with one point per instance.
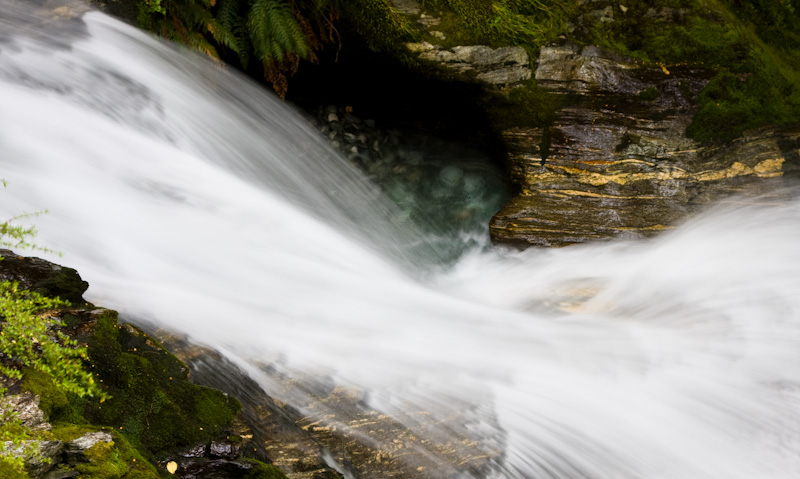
(228, 14)
(192, 15)
(274, 31)
(223, 36)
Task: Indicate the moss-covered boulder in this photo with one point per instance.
(152, 412)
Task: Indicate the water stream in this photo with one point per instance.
(190, 198)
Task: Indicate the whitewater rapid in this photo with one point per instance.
(190, 198)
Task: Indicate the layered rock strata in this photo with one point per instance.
(616, 162)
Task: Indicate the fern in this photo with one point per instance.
(224, 36)
(274, 31)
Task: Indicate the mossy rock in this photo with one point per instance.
(753, 48)
(52, 400)
(152, 400)
(43, 277)
(113, 460)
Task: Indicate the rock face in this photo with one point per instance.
(616, 162)
(331, 427)
(504, 66)
(596, 141)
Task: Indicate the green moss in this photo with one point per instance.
(153, 403)
(67, 431)
(529, 24)
(753, 47)
(378, 22)
(115, 460)
(53, 401)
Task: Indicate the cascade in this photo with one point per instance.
(191, 199)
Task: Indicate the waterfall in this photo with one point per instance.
(190, 198)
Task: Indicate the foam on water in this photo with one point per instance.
(189, 197)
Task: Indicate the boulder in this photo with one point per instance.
(42, 276)
(75, 450)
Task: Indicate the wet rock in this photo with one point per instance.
(493, 66)
(40, 456)
(223, 449)
(25, 407)
(616, 162)
(338, 428)
(42, 276)
(505, 75)
(198, 451)
(75, 450)
(216, 469)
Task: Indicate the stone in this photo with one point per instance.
(42, 276)
(196, 451)
(505, 75)
(223, 449)
(75, 450)
(617, 164)
(420, 47)
(483, 55)
(40, 456)
(494, 66)
(26, 408)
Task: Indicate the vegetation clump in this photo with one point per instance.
(751, 47)
(277, 34)
(90, 370)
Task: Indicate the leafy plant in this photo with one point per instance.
(276, 33)
(30, 338)
(29, 335)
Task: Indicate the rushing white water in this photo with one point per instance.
(188, 197)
